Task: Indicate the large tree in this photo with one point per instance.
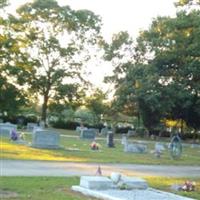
(58, 43)
(11, 97)
(162, 78)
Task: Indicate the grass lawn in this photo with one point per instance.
(76, 150)
(51, 188)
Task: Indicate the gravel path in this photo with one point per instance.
(49, 168)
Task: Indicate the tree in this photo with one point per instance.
(162, 78)
(175, 44)
(11, 97)
(96, 104)
(58, 41)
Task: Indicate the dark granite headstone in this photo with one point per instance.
(110, 139)
(175, 147)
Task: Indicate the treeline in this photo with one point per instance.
(45, 47)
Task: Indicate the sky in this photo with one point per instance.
(118, 15)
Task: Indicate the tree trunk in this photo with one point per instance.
(44, 109)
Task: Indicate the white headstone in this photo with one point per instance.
(96, 182)
(135, 148)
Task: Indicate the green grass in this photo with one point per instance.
(165, 183)
(51, 188)
(76, 150)
(40, 188)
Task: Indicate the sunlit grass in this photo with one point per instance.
(165, 183)
(17, 151)
(51, 188)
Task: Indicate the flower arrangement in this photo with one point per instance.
(94, 146)
(188, 186)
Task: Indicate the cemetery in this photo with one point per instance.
(94, 106)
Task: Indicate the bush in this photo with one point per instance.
(70, 125)
(96, 126)
(191, 136)
(122, 130)
(20, 119)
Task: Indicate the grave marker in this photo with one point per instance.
(87, 134)
(46, 139)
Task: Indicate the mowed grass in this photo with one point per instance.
(39, 188)
(74, 149)
(51, 188)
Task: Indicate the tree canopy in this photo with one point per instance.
(54, 44)
(161, 79)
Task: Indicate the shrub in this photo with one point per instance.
(70, 125)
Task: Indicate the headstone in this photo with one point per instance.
(159, 148)
(95, 130)
(110, 139)
(87, 134)
(42, 124)
(95, 182)
(131, 133)
(46, 139)
(104, 131)
(133, 183)
(7, 128)
(80, 128)
(30, 126)
(124, 139)
(37, 128)
(175, 147)
(195, 145)
(135, 148)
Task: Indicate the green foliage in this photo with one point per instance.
(61, 124)
(96, 104)
(11, 99)
(54, 45)
(160, 80)
(3, 3)
(85, 116)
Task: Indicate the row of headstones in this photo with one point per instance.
(41, 138)
(138, 147)
(91, 133)
(104, 131)
(175, 147)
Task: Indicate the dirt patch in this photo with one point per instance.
(5, 194)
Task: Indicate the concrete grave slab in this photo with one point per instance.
(136, 194)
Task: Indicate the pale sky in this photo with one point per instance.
(119, 15)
